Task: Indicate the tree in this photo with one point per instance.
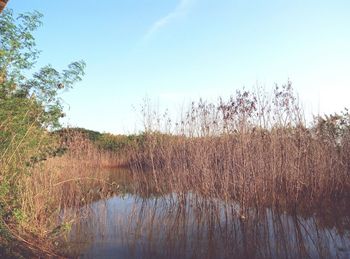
(18, 55)
(30, 103)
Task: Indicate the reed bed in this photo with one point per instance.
(255, 148)
(54, 188)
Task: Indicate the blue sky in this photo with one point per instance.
(173, 51)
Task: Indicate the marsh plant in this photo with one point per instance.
(255, 148)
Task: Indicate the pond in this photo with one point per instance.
(134, 225)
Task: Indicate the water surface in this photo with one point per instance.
(132, 225)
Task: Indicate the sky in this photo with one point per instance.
(175, 51)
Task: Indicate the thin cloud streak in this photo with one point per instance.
(181, 9)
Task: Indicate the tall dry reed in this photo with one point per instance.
(61, 183)
(255, 148)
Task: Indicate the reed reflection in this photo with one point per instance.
(190, 226)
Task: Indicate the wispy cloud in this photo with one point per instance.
(181, 9)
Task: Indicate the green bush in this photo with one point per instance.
(30, 106)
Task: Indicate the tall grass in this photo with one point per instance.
(48, 186)
(70, 180)
(255, 148)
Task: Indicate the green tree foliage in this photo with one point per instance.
(18, 56)
(104, 141)
(30, 105)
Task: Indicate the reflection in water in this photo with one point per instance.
(193, 227)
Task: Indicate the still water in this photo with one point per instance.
(132, 225)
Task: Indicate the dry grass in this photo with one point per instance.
(74, 179)
(254, 148)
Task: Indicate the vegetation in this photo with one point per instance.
(30, 107)
(254, 148)
(104, 141)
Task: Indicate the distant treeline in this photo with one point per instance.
(104, 141)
